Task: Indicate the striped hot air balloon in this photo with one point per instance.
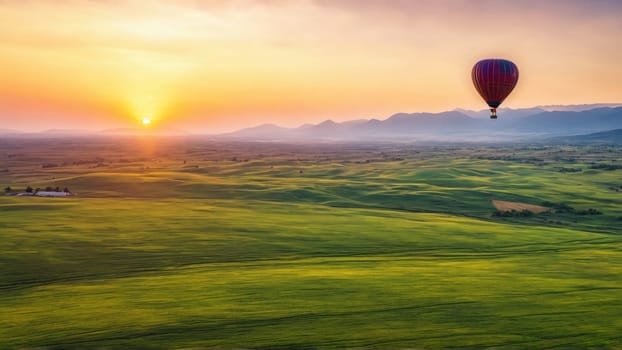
(494, 79)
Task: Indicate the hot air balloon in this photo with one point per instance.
(494, 79)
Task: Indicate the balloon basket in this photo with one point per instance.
(493, 113)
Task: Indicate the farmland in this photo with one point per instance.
(177, 243)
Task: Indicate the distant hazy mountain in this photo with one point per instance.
(452, 125)
(457, 125)
(503, 113)
(509, 113)
(264, 131)
(578, 108)
(9, 132)
(139, 131)
(424, 122)
(398, 126)
(45, 133)
(64, 132)
(611, 137)
(54, 133)
(566, 123)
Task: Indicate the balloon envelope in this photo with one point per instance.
(494, 79)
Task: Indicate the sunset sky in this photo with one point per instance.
(218, 65)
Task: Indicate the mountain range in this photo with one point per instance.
(554, 122)
(457, 125)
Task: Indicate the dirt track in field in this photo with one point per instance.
(508, 206)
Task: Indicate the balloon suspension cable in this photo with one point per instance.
(493, 113)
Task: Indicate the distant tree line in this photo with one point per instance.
(96, 160)
(514, 158)
(602, 166)
(28, 189)
(589, 211)
(615, 188)
(569, 170)
(565, 208)
(49, 165)
(513, 213)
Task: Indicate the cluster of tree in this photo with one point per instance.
(96, 160)
(569, 170)
(589, 211)
(565, 160)
(519, 159)
(513, 213)
(603, 166)
(565, 208)
(615, 188)
(29, 189)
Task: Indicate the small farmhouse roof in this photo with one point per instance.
(52, 194)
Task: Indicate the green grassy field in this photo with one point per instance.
(214, 245)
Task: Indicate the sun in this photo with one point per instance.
(146, 121)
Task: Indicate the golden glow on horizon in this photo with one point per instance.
(235, 63)
(146, 121)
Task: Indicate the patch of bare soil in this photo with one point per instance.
(509, 206)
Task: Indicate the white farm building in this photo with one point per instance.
(52, 194)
